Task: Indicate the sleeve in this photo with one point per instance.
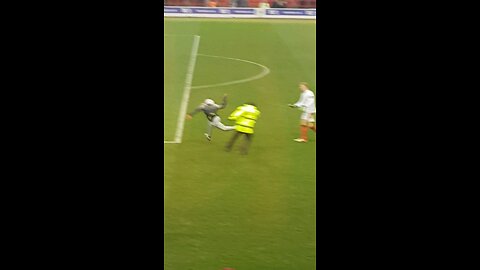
(301, 102)
(223, 104)
(197, 110)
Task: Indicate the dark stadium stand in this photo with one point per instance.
(307, 3)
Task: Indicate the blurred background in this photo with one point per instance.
(244, 3)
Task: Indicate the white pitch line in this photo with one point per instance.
(264, 73)
(186, 90)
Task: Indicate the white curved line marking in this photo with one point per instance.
(264, 72)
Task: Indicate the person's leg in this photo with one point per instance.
(311, 124)
(303, 131)
(304, 126)
(208, 134)
(229, 145)
(246, 145)
(217, 123)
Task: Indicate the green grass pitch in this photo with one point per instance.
(254, 212)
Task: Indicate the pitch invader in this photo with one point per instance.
(209, 108)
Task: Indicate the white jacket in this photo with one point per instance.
(307, 102)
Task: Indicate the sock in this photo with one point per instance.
(303, 132)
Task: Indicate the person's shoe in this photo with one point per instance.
(208, 136)
(300, 140)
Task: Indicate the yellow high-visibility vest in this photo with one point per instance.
(245, 118)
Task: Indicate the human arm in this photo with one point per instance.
(299, 103)
(191, 114)
(224, 102)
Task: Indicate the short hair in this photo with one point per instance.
(304, 83)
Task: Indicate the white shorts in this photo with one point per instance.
(305, 117)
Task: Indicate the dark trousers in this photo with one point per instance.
(245, 146)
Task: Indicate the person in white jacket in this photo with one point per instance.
(306, 103)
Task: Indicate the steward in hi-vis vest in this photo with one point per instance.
(245, 118)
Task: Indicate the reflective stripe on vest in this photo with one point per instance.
(245, 117)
